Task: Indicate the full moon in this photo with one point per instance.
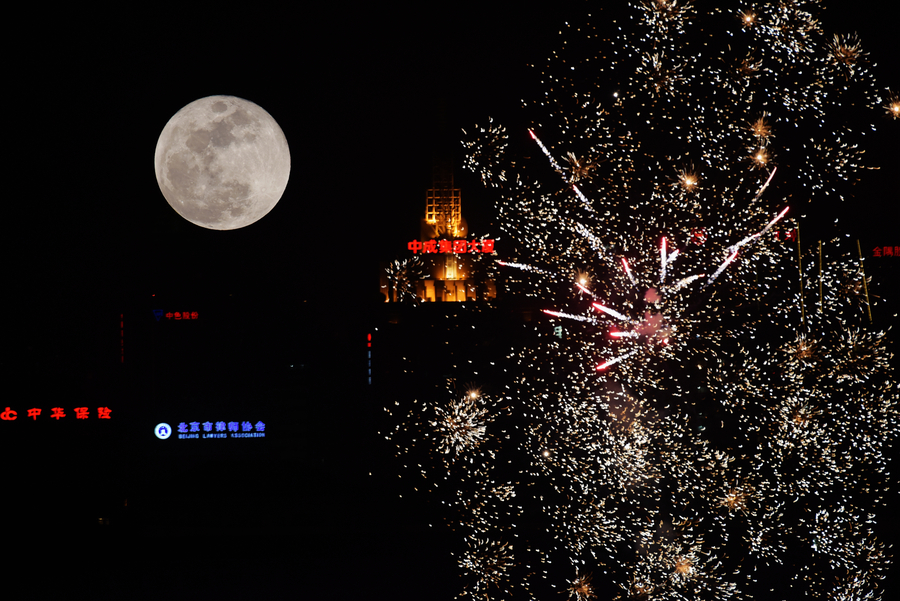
(222, 162)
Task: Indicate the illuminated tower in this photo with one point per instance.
(442, 205)
(444, 266)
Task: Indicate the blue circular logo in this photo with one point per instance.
(163, 431)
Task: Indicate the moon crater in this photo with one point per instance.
(222, 162)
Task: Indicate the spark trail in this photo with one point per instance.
(688, 436)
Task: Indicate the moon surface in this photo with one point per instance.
(222, 162)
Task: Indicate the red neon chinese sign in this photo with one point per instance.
(57, 413)
(788, 235)
(175, 315)
(886, 251)
(459, 246)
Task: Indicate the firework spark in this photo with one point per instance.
(698, 424)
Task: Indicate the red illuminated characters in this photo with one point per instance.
(787, 236)
(179, 315)
(57, 413)
(458, 246)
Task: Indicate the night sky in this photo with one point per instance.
(367, 98)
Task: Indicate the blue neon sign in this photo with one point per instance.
(208, 429)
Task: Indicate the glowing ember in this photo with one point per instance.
(720, 403)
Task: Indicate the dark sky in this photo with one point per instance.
(366, 98)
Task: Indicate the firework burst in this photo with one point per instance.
(716, 403)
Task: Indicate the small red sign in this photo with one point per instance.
(886, 251)
(57, 413)
(459, 246)
(787, 235)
